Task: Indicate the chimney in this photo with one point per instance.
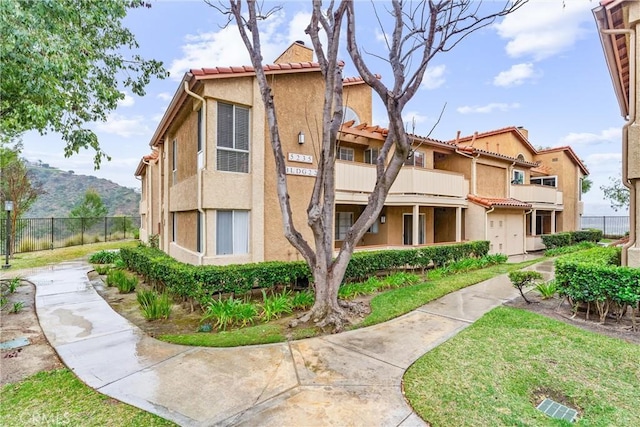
(296, 52)
(524, 132)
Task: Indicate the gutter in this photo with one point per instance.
(625, 138)
(201, 171)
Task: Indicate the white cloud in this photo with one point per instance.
(411, 117)
(584, 138)
(225, 47)
(516, 75)
(127, 101)
(434, 77)
(544, 28)
(123, 126)
(489, 108)
(165, 96)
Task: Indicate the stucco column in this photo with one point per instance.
(416, 225)
(458, 224)
(553, 222)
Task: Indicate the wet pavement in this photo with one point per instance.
(353, 378)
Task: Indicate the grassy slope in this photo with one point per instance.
(494, 373)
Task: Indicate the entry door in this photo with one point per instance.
(407, 229)
(496, 233)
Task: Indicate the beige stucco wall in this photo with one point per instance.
(475, 222)
(504, 143)
(358, 98)
(568, 173)
(492, 180)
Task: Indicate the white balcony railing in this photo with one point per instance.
(361, 177)
(536, 194)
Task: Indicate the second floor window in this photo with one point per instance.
(345, 153)
(200, 140)
(517, 177)
(416, 159)
(233, 138)
(174, 161)
(549, 181)
(371, 155)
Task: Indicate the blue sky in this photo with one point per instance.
(541, 68)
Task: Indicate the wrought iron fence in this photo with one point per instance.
(611, 226)
(36, 234)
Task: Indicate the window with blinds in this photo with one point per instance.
(233, 138)
(232, 232)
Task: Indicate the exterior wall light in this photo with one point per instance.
(383, 219)
(301, 138)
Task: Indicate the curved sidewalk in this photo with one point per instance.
(353, 378)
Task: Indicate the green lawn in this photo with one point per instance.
(496, 371)
(58, 398)
(54, 256)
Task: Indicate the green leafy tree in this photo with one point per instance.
(586, 185)
(617, 194)
(64, 66)
(16, 184)
(91, 209)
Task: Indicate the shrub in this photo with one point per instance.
(521, 278)
(153, 305)
(229, 312)
(569, 249)
(104, 257)
(302, 300)
(202, 283)
(275, 305)
(556, 240)
(115, 276)
(594, 277)
(547, 290)
(102, 269)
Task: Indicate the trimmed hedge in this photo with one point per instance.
(594, 277)
(200, 283)
(571, 237)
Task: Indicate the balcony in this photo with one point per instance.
(537, 194)
(354, 177)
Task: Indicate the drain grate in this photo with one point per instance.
(557, 410)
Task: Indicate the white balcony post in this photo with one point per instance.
(416, 225)
(534, 215)
(458, 224)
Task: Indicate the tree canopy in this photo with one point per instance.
(617, 194)
(64, 67)
(91, 208)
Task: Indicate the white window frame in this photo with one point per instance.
(542, 178)
(372, 154)
(344, 221)
(514, 177)
(200, 158)
(174, 162)
(411, 161)
(234, 250)
(174, 226)
(346, 153)
(234, 149)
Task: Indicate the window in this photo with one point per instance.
(374, 227)
(174, 226)
(199, 231)
(200, 141)
(549, 181)
(174, 162)
(233, 138)
(517, 177)
(344, 221)
(415, 159)
(371, 155)
(232, 232)
(345, 153)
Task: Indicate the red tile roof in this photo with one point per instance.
(497, 202)
(285, 67)
(472, 150)
(378, 132)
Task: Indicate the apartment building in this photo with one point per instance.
(619, 23)
(209, 184)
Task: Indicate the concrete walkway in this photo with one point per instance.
(348, 379)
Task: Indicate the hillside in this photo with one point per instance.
(65, 189)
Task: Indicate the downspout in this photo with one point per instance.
(486, 222)
(201, 171)
(625, 141)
